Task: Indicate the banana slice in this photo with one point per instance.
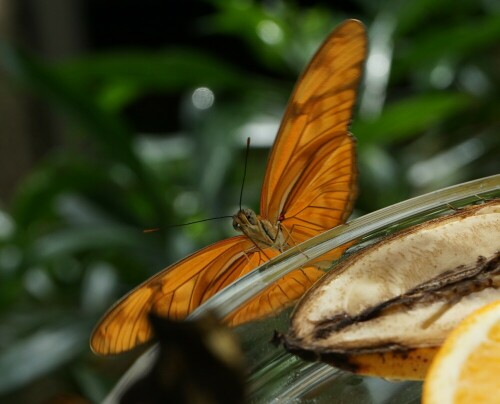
(386, 310)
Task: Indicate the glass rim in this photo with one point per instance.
(243, 289)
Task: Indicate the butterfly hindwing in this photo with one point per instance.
(173, 292)
(277, 296)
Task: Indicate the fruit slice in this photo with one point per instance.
(467, 367)
(387, 309)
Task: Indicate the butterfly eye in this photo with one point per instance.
(236, 226)
(252, 219)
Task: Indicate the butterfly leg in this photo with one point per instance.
(260, 249)
(289, 237)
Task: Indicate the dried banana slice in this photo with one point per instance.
(386, 310)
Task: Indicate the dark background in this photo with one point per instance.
(100, 139)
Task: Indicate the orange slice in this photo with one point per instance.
(467, 367)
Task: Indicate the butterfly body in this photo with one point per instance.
(261, 231)
(309, 187)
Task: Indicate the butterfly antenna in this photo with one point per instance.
(186, 224)
(200, 221)
(213, 218)
(244, 170)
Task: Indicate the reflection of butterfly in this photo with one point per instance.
(309, 187)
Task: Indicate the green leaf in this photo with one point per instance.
(118, 78)
(456, 41)
(41, 352)
(408, 117)
(106, 129)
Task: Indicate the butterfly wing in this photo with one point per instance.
(277, 296)
(174, 293)
(310, 182)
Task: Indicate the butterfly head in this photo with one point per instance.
(259, 230)
(244, 218)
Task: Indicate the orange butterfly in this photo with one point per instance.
(309, 187)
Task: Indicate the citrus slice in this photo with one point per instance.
(467, 367)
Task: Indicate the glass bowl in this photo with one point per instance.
(277, 376)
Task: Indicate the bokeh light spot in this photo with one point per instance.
(378, 64)
(270, 32)
(441, 76)
(203, 98)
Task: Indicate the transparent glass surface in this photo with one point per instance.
(277, 376)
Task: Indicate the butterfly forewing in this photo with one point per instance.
(330, 181)
(318, 113)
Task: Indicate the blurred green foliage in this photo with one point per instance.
(71, 241)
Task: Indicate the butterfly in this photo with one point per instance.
(193, 358)
(309, 187)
